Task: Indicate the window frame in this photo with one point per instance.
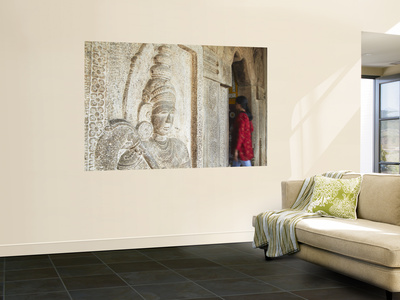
(378, 120)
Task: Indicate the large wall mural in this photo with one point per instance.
(161, 106)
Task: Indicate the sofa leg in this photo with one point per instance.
(389, 295)
(265, 255)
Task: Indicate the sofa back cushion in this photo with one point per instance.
(379, 198)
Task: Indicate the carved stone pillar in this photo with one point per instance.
(217, 79)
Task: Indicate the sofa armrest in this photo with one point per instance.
(290, 191)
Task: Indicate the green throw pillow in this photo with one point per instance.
(335, 197)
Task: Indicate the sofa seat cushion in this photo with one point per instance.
(361, 239)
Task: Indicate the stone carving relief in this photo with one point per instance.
(120, 143)
(260, 71)
(95, 88)
(155, 106)
(216, 126)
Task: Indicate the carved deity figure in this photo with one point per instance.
(148, 144)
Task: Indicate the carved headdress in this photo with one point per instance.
(159, 93)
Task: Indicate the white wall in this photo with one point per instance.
(367, 126)
(50, 204)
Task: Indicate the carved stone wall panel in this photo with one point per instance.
(96, 88)
(182, 79)
(261, 93)
(212, 130)
(211, 64)
(216, 131)
(260, 66)
(120, 55)
(223, 126)
(139, 106)
(88, 49)
(262, 141)
(196, 75)
(216, 67)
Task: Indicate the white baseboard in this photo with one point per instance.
(125, 243)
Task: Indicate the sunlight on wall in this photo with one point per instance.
(394, 30)
(367, 126)
(318, 118)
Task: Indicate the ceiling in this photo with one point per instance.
(380, 50)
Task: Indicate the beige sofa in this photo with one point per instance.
(368, 248)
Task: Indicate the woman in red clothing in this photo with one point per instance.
(241, 138)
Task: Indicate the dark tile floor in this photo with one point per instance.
(208, 272)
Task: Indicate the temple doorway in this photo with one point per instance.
(233, 94)
(241, 86)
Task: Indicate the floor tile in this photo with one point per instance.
(232, 271)
(304, 266)
(26, 258)
(202, 250)
(348, 293)
(43, 296)
(237, 286)
(265, 269)
(120, 256)
(297, 282)
(247, 248)
(33, 286)
(337, 277)
(85, 270)
(207, 298)
(120, 293)
(219, 272)
(70, 260)
(70, 255)
(136, 267)
(168, 253)
(185, 290)
(31, 274)
(152, 277)
(92, 282)
(237, 259)
(372, 290)
(188, 263)
(267, 296)
(348, 281)
(27, 262)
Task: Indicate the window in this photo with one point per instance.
(387, 125)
